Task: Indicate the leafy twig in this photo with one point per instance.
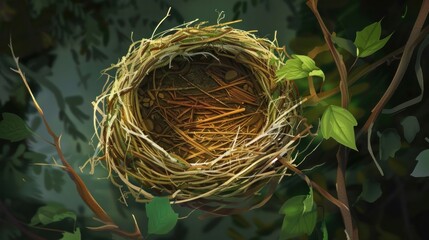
(322, 191)
(312, 4)
(83, 191)
(400, 71)
(360, 72)
(342, 154)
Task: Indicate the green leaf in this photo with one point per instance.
(297, 222)
(422, 167)
(291, 70)
(390, 143)
(371, 191)
(345, 44)
(339, 123)
(298, 67)
(50, 213)
(368, 40)
(13, 128)
(324, 230)
(411, 128)
(317, 73)
(162, 218)
(72, 236)
(308, 202)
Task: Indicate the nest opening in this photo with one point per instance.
(210, 102)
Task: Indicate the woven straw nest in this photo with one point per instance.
(196, 114)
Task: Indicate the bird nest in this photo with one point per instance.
(197, 114)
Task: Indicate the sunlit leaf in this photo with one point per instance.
(298, 67)
(371, 191)
(422, 167)
(72, 236)
(50, 213)
(390, 143)
(368, 40)
(162, 217)
(411, 128)
(13, 128)
(338, 123)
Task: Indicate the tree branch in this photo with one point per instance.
(342, 154)
(83, 191)
(400, 71)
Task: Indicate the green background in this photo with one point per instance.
(64, 45)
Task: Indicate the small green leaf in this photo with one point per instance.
(411, 128)
(368, 40)
(422, 167)
(297, 222)
(317, 73)
(72, 236)
(390, 143)
(299, 66)
(291, 70)
(371, 191)
(13, 128)
(345, 44)
(50, 213)
(162, 217)
(338, 123)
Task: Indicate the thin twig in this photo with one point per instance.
(316, 186)
(83, 191)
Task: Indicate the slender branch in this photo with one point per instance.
(400, 71)
(342, 154)
(83, 191)
(322, 191)
(312, 4)
(360, 72)
(313, 92)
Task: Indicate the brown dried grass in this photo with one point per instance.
(196, 114)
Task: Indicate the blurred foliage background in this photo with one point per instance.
(63, 46)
